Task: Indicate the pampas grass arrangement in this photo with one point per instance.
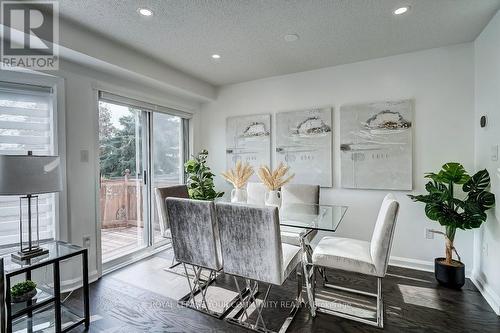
(273, 180)
(239, 175)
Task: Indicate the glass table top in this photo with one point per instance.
(309, 216)
(56, 249)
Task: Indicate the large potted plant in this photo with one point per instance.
(457, 201)
(200, 179)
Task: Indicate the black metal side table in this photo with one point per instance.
(45, 310)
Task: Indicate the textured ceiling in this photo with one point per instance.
(248, 34)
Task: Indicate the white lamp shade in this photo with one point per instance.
(28, 174)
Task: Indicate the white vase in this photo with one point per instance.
(238, 195)
(273, 198)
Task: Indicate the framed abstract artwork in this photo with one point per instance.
(304, 143)
(376, 145)
(248, 139)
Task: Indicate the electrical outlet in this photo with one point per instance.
(429, 234)
(86, 242)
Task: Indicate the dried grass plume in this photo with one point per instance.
(275, 179)
(239, 175)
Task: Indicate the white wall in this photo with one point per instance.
(441, 81)
(487, 91)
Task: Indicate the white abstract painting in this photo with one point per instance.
(376, 145)
(248, 139)
(304, 143)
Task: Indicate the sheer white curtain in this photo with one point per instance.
(26, 123)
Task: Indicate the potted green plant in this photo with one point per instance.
(455, 208)
(23, 291)
(200, 179)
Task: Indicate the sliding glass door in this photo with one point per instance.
(141, 148)
(122, 192)
(167, 159)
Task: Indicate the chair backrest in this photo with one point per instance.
(251, 242)
(300, 193)
(256, 193)
(381, 242)
(162, 193)
(195, 233)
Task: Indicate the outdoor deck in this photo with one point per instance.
(119, 241)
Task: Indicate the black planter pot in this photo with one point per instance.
(449, 276)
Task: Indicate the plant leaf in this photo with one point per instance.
(479, 182)
(453, 173)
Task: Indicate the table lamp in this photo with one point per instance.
(26, 176)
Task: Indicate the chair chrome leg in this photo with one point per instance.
(259, 325)
(173, 263)
(191, 290)
(198, 287)
(380, 305)
(242, 301)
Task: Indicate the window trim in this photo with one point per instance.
(146, 106)
(56, 84)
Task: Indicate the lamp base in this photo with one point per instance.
(27, 255)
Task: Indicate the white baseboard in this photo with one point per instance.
(72, 284)
(488, 293)
(421, 265)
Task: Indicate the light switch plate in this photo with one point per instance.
(84, 156)
(494, 153)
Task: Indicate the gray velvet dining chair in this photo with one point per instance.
(252, 249)
(196, 243)
(161, 194)
(368, 258)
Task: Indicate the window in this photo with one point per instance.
(26, 123)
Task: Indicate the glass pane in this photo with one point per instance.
(167, 161)
(122, 190)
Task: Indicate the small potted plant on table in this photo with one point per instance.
(23, 291)
(463, 210)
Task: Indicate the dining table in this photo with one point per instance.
(306, 218)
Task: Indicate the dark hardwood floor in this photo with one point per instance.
(414, 302)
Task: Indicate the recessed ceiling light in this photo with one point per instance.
(145, 12)
(401, 10)
(291, 37)
(215, 56)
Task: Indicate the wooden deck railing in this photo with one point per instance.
(121, 202)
